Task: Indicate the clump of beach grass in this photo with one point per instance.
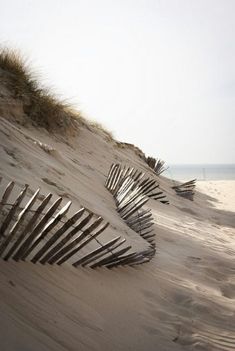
(40, 105)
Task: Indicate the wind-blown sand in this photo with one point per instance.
(184, 299)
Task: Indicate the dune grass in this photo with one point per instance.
(42, 107)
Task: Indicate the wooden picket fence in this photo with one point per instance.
(131, 191)
(157, 165)
(186, 189)
(41, 232)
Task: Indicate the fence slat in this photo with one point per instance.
(49, 226)
(119, 258)
(124, 260)
(83, 244)
(20, 219)
(69, 223)
(10, 215)
(6, 194)
(94, 254)
(75, 241)
(110, 251)
(26, 247)
(111, 257)
(29, 227)
(66, 239)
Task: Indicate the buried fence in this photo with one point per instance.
(120, 179)
(186, 189)
(131, 191)
(41, 232)
(157, 165)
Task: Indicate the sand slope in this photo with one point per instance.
(184, 299)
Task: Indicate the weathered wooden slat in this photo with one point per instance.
(119, 259)
(110, 251)
(130, 200)
(141, 214)
(10, 215)
(124, 190)
(67, 238)
(129, 206)
(144, 188)
(156, 164)
(160, 197)
(75, 241)
(49, 226)
(120, 192)
(29, 227)
(138, 176)
(140, 222)
(94, 254)
(135, 175)
(150, 190)
(108, 259)
(111, 180)
(6, 194)
(26, 247)
(20, 219)
(130, 259)
(69, 223)
(83, 244)
(116, 179)
(109, 176)
(183, 191)
(119, 182)
(126, 198)
(186, 189)
(123, 178)
(135, 208)
(165, 202)
(142, 227)
(190, 182)
(146, 232)
(148, 236)
(146, 226)
(152, 242)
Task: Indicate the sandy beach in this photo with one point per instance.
(184, 299)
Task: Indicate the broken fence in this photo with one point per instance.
(157, 165)
(131, 191)
(41, 232)
(186, 189)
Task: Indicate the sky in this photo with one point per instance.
(157, 73)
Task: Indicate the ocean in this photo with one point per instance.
(201, 172)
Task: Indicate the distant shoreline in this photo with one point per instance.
(201, 172)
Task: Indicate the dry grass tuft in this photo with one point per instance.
(99, 127)
(135, 149)
(39, 104)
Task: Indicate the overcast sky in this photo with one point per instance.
(158, 73)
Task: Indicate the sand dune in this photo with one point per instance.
(184, 299)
